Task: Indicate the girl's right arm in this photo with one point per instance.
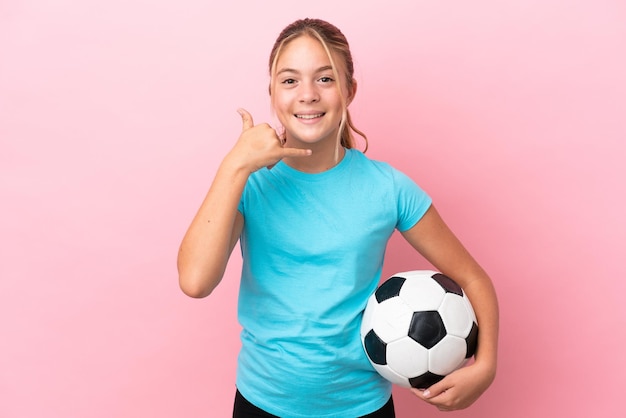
(214, 231)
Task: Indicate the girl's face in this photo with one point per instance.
(305, 96)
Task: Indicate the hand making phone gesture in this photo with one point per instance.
(259, 146)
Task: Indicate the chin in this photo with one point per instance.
(315, 138)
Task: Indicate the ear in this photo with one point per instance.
(352, 93)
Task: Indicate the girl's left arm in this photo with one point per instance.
(432, 238)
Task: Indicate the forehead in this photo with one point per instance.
(304, 53)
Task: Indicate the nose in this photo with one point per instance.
(309, 93)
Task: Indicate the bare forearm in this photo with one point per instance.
(207, 245)
(434, 240)
(484, 300)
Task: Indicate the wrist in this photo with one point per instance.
(235, 166)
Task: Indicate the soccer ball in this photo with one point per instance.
(418, 327)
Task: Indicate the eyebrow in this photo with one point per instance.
(291, 70)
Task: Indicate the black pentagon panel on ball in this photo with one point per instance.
(427, 328)
(448, 284)
(376, 348)
(424, 381)
(472, 341)
(389, 289)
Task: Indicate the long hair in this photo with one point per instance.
(332, 40)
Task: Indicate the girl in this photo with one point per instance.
(313, 217)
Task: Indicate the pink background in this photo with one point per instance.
(114, 115)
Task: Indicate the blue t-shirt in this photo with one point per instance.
(313, 248)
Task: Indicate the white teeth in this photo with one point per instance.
(319, 115)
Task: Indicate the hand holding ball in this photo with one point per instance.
(418, 327)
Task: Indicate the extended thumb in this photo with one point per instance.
(246, 118)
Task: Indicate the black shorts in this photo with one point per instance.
(244, 409)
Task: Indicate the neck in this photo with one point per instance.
(325, 156)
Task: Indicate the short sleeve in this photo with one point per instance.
(412, 201)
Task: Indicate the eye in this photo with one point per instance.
(288, 81)
(326, 80)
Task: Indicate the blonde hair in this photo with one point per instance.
(333, 40)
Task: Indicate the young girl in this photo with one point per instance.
(313, 216)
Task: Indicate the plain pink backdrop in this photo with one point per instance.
(115, 114)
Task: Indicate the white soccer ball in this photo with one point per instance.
(418, 327)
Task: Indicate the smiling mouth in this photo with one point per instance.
(317, 115)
